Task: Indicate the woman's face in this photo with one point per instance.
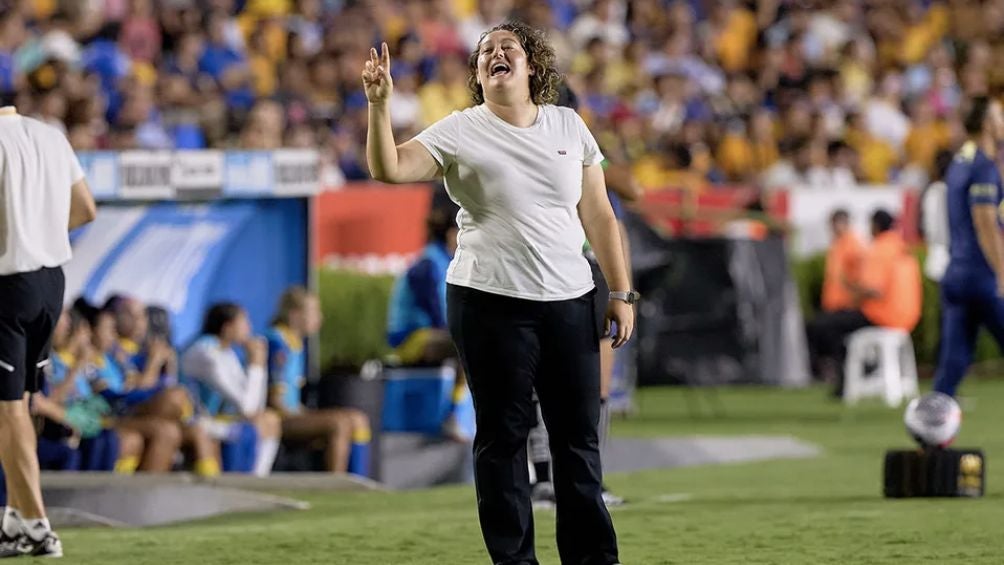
(104, 332)
(239, 330)
(80, 336)
(312, 316)
(502, 64)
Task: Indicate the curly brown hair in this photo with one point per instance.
(540, 55)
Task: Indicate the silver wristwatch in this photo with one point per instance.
(630, 296)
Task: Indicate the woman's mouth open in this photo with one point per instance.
(499, 69)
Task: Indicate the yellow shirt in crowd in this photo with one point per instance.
(262, 75)
(924, 141)
(739, 156)
(876, 157)
(735, 42)
(438, 100)
(918, 39)
(653, 175)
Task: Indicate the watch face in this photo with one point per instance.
(630, 297)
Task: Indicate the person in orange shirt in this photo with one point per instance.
(843, 261)
(888, 294)
(890, 291)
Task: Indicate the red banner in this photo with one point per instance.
(378, 227)
(687, 214)
(370, 225)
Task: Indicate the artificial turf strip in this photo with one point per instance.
(823, 510)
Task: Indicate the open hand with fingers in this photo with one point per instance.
(376, 76)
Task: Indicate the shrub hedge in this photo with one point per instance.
(355, 314)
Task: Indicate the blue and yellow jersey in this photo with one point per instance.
(418, 300)
(110, 374)
(287, 366)
(62, 363)
(209, 401)
(136, 357)
(132, 351)
(972, 179)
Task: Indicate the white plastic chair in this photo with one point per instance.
(895, 377)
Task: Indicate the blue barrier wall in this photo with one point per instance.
(184, 257)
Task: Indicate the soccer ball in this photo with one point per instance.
(933, 419)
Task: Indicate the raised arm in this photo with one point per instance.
(388, 162)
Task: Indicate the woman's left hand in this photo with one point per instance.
(622, 314)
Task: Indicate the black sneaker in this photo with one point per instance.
(48, 546)
(8, 545)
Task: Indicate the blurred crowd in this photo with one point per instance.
(689, 92)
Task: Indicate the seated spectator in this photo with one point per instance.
(843, 265)
(70, 402)
(669, 62)
(928, 135)
(888, 294)
(228, 389)
(416, 326)
(149, 364)
(161, 436)
(447, 91)
(803, 164)
(264, 127)
(843, 261)
(298, 317)
(843, 165)
(878, 158)
(669, 166)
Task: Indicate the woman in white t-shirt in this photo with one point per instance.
(227, 390)
(527, 177)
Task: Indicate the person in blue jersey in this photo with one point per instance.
(103, 447)
(161, 436)
(345, 431)
(416, 321)
(231, 391)
(150, 360)
(149, 363)
(973, 284)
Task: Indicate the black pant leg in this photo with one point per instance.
(836, 328)
(496, 338)
(568, 385)
(829, 331)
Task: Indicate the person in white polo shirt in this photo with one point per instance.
(527, 177)
(43, 195)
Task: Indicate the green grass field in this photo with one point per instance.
(823, 510)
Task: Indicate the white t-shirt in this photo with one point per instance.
(219, 369)
(37, 170)
(936, 230)
(518, 189)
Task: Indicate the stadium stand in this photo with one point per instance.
(691, 92)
